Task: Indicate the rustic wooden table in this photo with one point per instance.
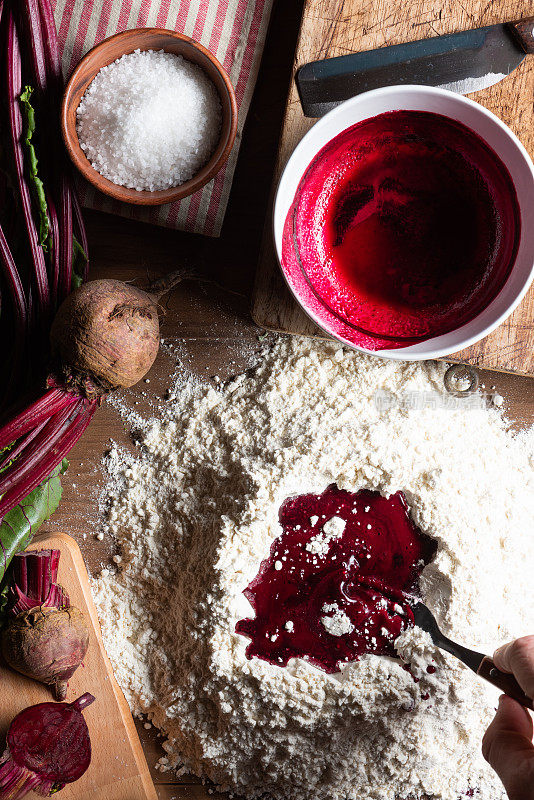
(207, 326)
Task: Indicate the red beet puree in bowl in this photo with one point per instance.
(405, 226)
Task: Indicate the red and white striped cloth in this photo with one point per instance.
(234, 30)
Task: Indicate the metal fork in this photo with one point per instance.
(480, 664)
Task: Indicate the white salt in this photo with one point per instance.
(150, 120)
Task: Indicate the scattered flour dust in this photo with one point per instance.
(196, 511)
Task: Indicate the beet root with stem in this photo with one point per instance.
(48, 746)
(105, 336)
(45, 637)
(47, 644)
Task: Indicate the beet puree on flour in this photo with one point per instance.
(332, 587)
(405, 226)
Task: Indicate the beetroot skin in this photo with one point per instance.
(47, 644)
(104, 336)
(48, 746)
(45, 637)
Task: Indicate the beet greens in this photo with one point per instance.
(45, 637)
(74, 341)
(41, 237)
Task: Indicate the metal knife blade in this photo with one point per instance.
(463, 62)
(424, 619)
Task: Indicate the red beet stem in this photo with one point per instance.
(20, 311)
(46, 64)
(82, 236)
(17, 781)
(50, 460)
(42, 409)
(12, 278)
(34, 41)
(9, 455)
(47, 440)
(55, 254)
(65, 240)
(33, 582)
(50, 39)
(82, 702)
(34, 572)
(14, 88)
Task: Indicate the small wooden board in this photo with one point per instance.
(337, 27)
(118, 769)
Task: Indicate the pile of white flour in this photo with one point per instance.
(196, 511)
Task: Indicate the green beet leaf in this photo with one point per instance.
(20, 525)
(39, 197)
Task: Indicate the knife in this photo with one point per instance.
(462, 62)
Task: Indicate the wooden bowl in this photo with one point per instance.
(148, 39)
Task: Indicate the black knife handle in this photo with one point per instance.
(504, 681)
(523, 31)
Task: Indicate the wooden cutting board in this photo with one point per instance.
(337, 27)
(118, 769)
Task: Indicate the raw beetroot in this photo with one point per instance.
(105, 336)
(48, 746)
(45, 638)
(43, 254)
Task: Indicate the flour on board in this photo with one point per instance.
(195, 512)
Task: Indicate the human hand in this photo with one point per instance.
(507, 744)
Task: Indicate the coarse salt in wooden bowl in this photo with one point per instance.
(148, 39)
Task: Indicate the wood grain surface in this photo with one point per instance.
(338, 27)
(206, 328)
(118, 769)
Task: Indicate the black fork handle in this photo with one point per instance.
(504, 681)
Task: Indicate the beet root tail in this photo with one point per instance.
(83, 701)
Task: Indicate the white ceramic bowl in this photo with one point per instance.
(497, 135)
